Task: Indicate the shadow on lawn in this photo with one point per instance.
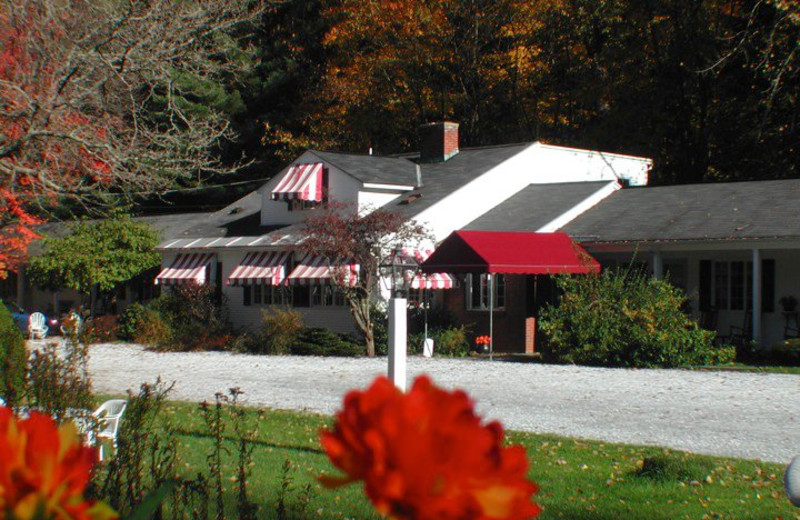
(265, 444)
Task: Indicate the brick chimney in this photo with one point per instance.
(438, 142)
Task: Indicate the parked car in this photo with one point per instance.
(19, 314)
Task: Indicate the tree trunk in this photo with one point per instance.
(359, 308)
(369, 338)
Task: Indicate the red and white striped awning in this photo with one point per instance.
(433, 281)
(301, 182)
(315, 269)
(261, 268)
(186, 268)
(422, 280)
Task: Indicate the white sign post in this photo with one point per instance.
(398, 328)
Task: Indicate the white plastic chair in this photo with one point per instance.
(37, 328)
(108, 417)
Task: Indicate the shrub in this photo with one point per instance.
(315, 341)
(58, 381)
(13, 359)
(438, 319)
(625, 320)
(187, 309)
(786, 352)
(205, 340)
(380, 328)
(451, 342)
(279, 329)
(129, 321)
(415, 342)
(151, 329)
(100, 329)
(146, 453)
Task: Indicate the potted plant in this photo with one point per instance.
(789, 303)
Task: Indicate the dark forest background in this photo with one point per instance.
(708, 89)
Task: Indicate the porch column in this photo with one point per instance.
(658, 265)
(757, 296)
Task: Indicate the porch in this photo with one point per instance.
(724, 282)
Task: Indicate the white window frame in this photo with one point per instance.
(302, 205)
(324, 295)
(725, 301)
(499, 292)
(268, 295)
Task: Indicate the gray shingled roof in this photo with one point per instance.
(438, 180)
(169, 226)
(441, 179)
(535, 206)
(718, 211)
(372, 168)
(240, 218)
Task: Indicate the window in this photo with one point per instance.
(301, 296)
(729, 285)
(733, 285)
(143, 287)
(327, 296)
(300, 205)
(478, 292)
(721, 285)
(420, 298)
(266, 295)
(738, 286)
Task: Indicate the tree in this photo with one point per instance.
(99, 254)
(339, 233)
(100, 98)
(413, 62)
(708, 89)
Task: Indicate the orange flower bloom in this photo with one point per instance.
(426, 455)
(483, 340)
(44, 469)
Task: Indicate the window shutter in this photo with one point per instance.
(705, 285)
(768, 285)
(246, 295)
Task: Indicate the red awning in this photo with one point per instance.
(301, 182)
(261, 267)
(423, 280)
(186, 268)
(509, 252)
(315, 269)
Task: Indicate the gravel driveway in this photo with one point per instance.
(746, 415)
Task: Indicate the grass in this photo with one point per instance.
(579, 480)
(747, 367)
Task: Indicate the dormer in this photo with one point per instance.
(316, 178)
(304, 186)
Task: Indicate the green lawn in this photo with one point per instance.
(745, 367)
(578, 479)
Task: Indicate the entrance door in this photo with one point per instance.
(540, 290)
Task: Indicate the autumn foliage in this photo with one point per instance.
(340, 232)
(44, 470)
(93, 103)
(426, 455)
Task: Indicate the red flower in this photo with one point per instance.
(44, 470)
(426, 455)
